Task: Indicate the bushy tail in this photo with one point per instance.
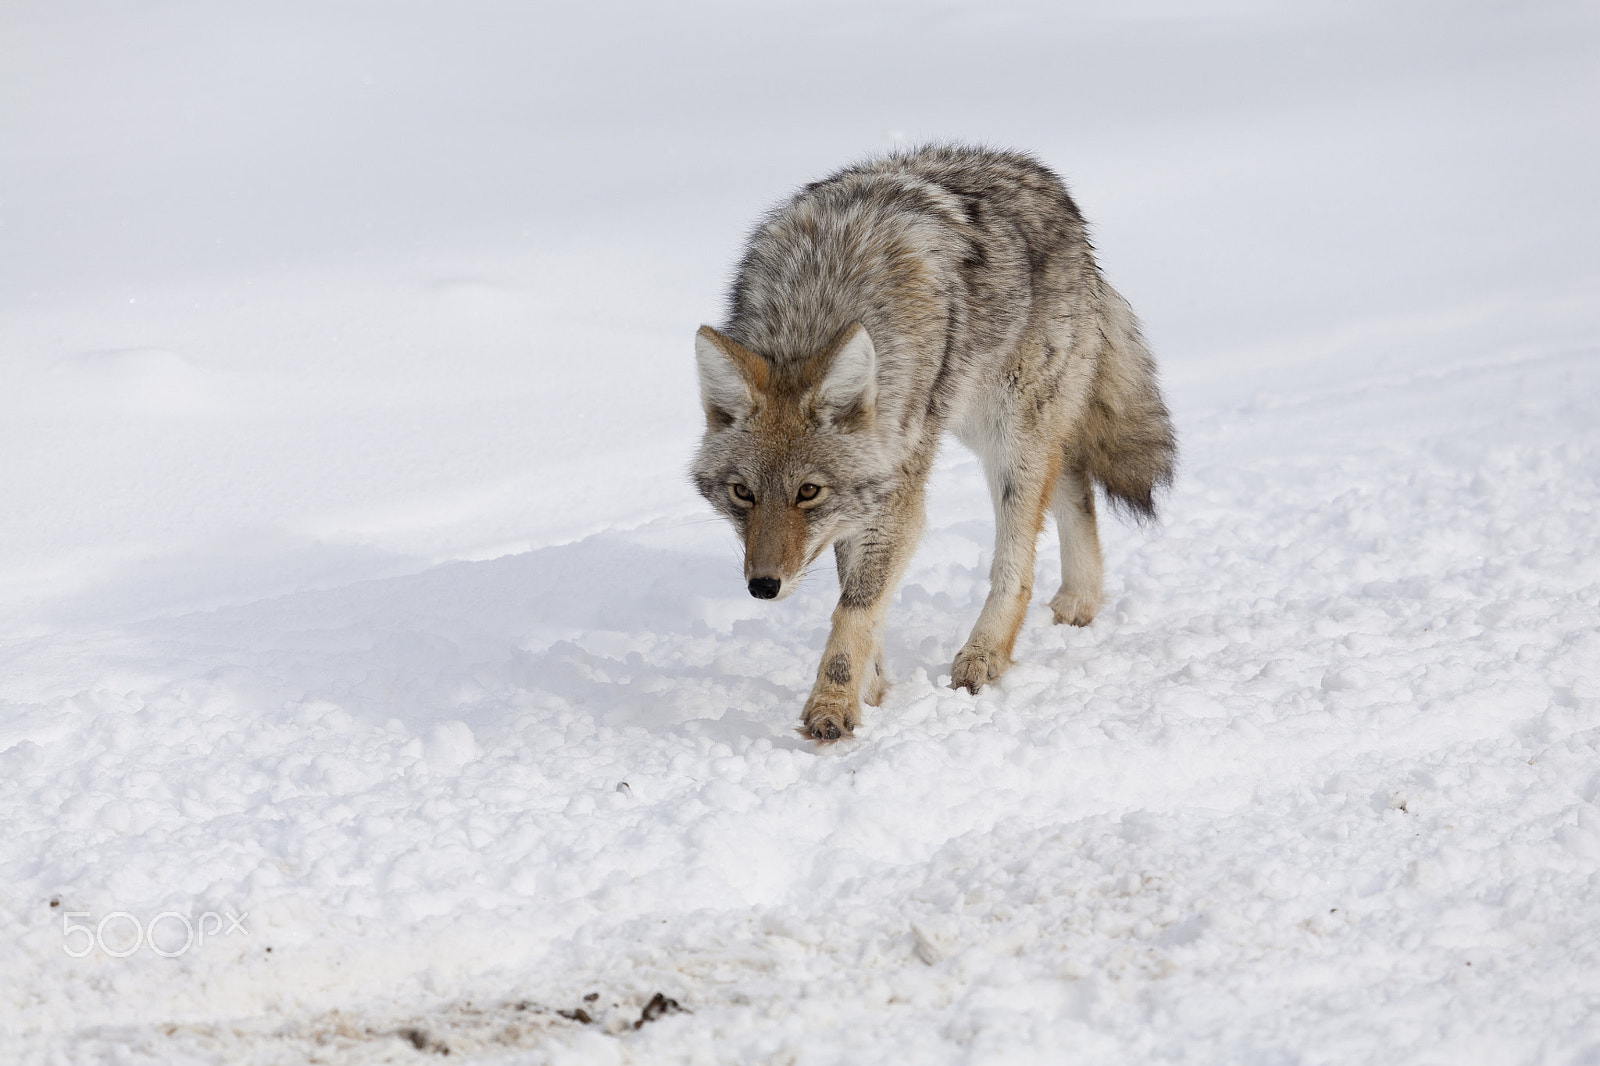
(1127, 443)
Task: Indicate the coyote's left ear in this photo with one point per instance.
(849, 385)
(730, 376)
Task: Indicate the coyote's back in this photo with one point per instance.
(944, 289)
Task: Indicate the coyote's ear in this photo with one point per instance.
(730, 376)
(849, 385)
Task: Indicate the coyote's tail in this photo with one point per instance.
(1127, 444)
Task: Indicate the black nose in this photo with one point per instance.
(764, 588)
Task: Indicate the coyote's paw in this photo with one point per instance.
(1074, 609)
(975, 667)
(830, 716)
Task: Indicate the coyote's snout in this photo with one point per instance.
(776, 544)
(945, 289)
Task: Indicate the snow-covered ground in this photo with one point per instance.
(356, 612)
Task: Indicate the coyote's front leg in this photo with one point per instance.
(1021, 493)
(871, 563)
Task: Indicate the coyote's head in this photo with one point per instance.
(790, 453)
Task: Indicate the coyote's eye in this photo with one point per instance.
(740, 493)
(808, 491)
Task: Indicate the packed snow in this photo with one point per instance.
(373, 686)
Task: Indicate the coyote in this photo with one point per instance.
(947, 288)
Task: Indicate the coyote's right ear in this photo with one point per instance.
(730, 376)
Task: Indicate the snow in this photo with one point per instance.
(355, 608)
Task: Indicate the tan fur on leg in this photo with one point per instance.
(1081, 576)
(852, 662)
(1019, 516)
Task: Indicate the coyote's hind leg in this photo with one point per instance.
(1081, 577)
